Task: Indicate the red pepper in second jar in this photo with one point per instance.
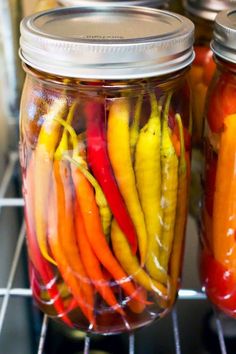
(218, 256)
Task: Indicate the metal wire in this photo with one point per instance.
(9, 291)
(131, 343)
(184, 294)
(43, 334)
(13, 158)
(11, 276)
(86, 344)
(11, 202)
(16, 292)
(176, 331)
(220, 334)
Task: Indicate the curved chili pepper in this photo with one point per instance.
(93, 227)
(148, 179)
(181, 211)
(119, 153)
(44, 151)
(224, 209)
(169, 175)
(37, 259)
(100, 165)
(92, 265)
(131, 264)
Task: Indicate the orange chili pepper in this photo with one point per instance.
(66, 229)
(96, 237)
(42, 267)
(136, 306)
(54, 239)
(224, 208)
(92, 264)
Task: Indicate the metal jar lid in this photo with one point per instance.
(107, 42)
(224, 35)
(156, 4)
(207, 9)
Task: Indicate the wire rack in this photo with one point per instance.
(10, 292)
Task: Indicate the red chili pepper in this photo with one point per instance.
(221, 102)
(204, 59)
(209, 70)
(220, 283)
(101, 167)
(202, 54)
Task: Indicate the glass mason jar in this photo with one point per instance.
(156, 4)
(104, 151)
(202, 13)
(218, 257)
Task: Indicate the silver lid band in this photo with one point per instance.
(224, 36)
(107, 42)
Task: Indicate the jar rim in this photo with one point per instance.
(207, 9)
(69, 42)
(223, 43)
(148, 3)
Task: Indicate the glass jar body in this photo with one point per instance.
(218, 214)
(105, 168)
(200, 75)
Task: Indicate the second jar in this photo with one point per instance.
(218, 253)
(105, 156)
(202, 13)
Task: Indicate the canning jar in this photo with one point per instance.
(104, 151)
(202, 13)
(218, 257)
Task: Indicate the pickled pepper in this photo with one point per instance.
(101, 167)
(44, 152)
(181, 210)
(118, 143)
(169, 171)
(224, 208)
(148, 169)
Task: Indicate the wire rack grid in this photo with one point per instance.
(9, 292)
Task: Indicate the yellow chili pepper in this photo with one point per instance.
(63, 146)
(118, 141)
(44, 152)
(148, 176)
(130, 263)
(100, 198)
(181, 212)
(79, 161)
(134, 129)
(169, 174)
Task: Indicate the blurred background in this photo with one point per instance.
(20, 321)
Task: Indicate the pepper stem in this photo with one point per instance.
(155, 108)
